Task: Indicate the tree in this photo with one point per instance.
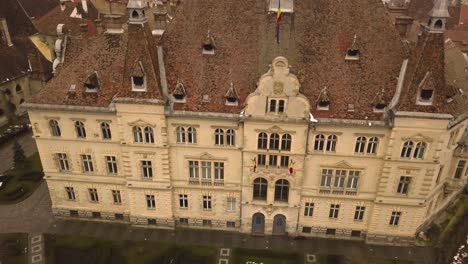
(18, 155)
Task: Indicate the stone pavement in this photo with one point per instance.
(6, 150)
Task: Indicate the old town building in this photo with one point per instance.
(338, 129)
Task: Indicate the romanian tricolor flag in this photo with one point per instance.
(291, 168)
(254, 165)
(278, 19)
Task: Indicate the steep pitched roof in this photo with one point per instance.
(314, 39)
(456, 67)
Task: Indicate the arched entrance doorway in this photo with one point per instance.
(258, 223)
(279, 224)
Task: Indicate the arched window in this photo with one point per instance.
(360, 145)
(192, 135)
(137, 135)
(219, 136)
(55, 128)
(438, 24)
(407, 149)
(149, 136)
(331, 143)
(274, 141)
(180, 135)
(18, 88)
(134, 14)
(80, 129)
(286, 142)
(319, 142)
(106, 132)
(419, 150)
(262, 141)
(281, 190)
(372, 146)
(260, 187)
(230, 137)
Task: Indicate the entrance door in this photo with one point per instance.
(279, 224)
(258, 223)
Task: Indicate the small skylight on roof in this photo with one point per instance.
(323, 102)
(232, 97)
(92, 83)
(353, 52)
(209, 45)
(350, 107)
(287, 6)
(206, 98)
(179, 93)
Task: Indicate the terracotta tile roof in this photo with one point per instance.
(314, 40)
(418, 9)
(36, 10)
(456, 67)
(112, 56)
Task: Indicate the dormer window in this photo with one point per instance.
(426, 90)
(179, 93)
(353, 52)
(138, 77)
(426, 94)
(92, 83)
(323, 102)
(232, 97)
(378, 103)
(209, 45)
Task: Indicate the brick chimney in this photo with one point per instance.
(5, 34)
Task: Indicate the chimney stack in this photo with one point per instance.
(5, 32)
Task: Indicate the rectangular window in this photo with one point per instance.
(96, 214)
(403, 185)
(395, 218)
(111, 164)
(151, 221)
(307, 229)
(331, 231)
(231, 224)
(231, 204)
(183, 201)
(183, 221)
(334, 210)
(355, 233)
(206, 170)
(280, 106)
(206, 202)
(359, 213)
(87, 163)
(309, 209)
(326, 178)
(206, 222)
(118, 216)
(117, 197)
(193, 169)
(219, 171)
(93, 195)
(272, 106)
(284, 161)
(63, 162)
(150, 201)
(74, 213)
(147, 169)
(70, 193)
(460, 168)
(261, 160)
(273, 160)
(340, 176)
(353, 179)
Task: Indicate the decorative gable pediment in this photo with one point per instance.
(278, 81)
(141, 123)
(343, 164)
(204, 156)
(275, 129)
(418, 137)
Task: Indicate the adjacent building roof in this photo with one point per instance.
(35, 9)
(456, 76)
(315, 39)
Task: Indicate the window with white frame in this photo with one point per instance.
(206, 170)
(331, 143)
(309, 209)
(54, 128)
(260, 188)
(272, 160)
(150, 201)
(395, 218)
(111, 162)
(372, 145)
(219, 171)
(413, 150)
(277, 106)
(70, 193)
(274, 141)
(403, 185)
(272, 106)
(143, 135)
(147, 169)
(281, 105)
(360, 145)
(93, 195)
(284, 161)
(326, 178)
(207, 202)
(281, 190)
(63, 161)
(225, 138)
(459, 169)
(407, 149)
(149, 135)
(230, 137)
(219, 136)
(419, 150)
(80, 129)
(286, 142)
(194, 169)
(334, 210)
(231, 204)
(262, 141)
(359, 213)
(261, 160)
(183, 201)
(116, 197)
(191, 135)
(137, 135)
(87, 163)
(336, 179)
(319, 142)
(106, 131)
(340, 176)
(353, 180)
(180, 134)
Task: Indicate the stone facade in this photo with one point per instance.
(331, 178)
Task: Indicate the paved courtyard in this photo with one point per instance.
(6, 150)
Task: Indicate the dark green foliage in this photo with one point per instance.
(18, 155)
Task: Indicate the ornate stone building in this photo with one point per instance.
(340, 130)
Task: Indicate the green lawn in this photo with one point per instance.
(12, 248)
(22, 181)
(82, 250)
